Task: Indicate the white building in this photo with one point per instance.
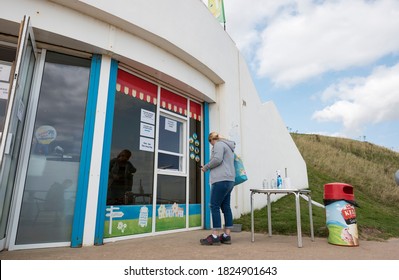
(83, 80)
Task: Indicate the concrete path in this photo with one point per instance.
(186, 246)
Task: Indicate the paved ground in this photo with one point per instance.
(185, 246)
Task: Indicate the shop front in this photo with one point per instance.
(103, 116)
(150, 177)
(154, 179)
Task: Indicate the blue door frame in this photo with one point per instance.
(87, 147)
(207, 187)
(109, 118)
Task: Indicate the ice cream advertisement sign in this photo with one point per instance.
(341, 224)
(45, 134)
(349, 214)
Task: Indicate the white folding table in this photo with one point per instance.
(297, 193)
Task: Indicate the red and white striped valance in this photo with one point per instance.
(141, 89)
(195, 111)
(138, 88)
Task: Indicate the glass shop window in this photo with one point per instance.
(131, 169)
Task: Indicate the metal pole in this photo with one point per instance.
(298, 219)
(269, 214)
(310, 217)
(252, 217)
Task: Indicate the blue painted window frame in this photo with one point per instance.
(87, 147)
(207, 152)
(109, 118)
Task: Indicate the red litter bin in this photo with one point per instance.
(340, 214)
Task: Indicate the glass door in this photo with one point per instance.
(171, 195)
(49, 190)
(16, 79)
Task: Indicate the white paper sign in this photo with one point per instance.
(147, 116)
(5, 70)
(4, 90)
(146, 144)
(170, 125)
(147, 130)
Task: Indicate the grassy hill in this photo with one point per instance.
(368, 168)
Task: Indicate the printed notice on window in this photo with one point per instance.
(4, 90)
(147, 130)
(170, 125)
(147, 116)
(146, 144)
(5, 71)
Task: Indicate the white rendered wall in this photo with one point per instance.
(267, 145)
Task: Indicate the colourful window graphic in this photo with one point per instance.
(124, 220)
(170, 216)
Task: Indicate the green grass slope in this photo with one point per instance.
(368, 168)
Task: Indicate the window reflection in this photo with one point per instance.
(50, 188)
(126, 136)
(171, 189)
(59, 127)
(171, 143)
(170, 135)
(169, 162)
(120, 181)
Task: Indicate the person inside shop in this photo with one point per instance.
(222, 176)
(120, 179)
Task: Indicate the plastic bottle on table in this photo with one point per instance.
(273, 184)
(279, 181)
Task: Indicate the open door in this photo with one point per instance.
(19, 82)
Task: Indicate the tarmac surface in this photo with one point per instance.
(186, 246)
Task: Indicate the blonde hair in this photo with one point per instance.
(214, 136)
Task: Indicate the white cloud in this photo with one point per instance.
(292, 41)
(287, 42)
(359, 101)
(298, 40)
(247, 19)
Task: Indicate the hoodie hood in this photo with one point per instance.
(229, 143)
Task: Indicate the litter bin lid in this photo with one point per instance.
(338, 191)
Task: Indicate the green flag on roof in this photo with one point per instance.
(217, 9)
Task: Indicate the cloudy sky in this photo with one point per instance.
(331, 67)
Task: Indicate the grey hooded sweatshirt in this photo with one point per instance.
(222, 161)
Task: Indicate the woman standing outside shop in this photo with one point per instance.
(222, 175)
